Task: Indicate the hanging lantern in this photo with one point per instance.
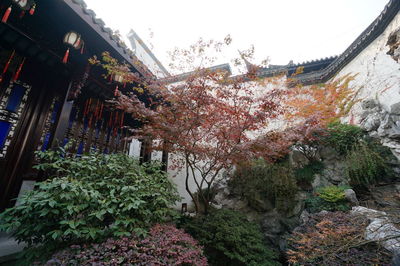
(23, 4)
(73, 40)
(118, 78)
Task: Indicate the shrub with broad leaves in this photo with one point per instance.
(89, 199)
(165, 245)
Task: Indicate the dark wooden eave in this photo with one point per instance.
(105, 33)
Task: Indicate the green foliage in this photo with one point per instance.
(330, 198)
(332, 194)
(89, 199)
(343, 137)
(230, 239)
(307, 173)
(367, 163)
(259, 180)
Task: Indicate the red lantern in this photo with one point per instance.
(25, 5)
(73, 40)
(118, 78)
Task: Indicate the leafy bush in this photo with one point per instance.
(332, 194)
(90, 198)
(165, 245)
(343, 137)
(330, 198)
(258, 180)
(230, 239)
(307, 173)
(334, 239)
(367, 163)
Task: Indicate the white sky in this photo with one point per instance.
(282, 30)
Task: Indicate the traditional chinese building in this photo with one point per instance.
(49, 94)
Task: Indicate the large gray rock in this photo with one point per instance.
(395, 109)
(369, 104)
(297, 159)
(371, 122)
(380, 229)
(351, 197)
(305, 216)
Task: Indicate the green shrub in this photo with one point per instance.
(230, 239)
(365, 165)
(332, 194)
(343, 137)
(89, 199)
(307, 172)
(259, 180)
(330, 198)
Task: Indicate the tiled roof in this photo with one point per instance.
(366, 38)
(180, 77)
(321, 70)
(80, 7)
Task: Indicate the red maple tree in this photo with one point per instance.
(207, 118)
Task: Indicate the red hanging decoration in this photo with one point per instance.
(116, 118)
(8, 62)
(7, 65)
(122, 119)
(90, 121)
(65, 58)
(116, 91)
(22, 14)
(16, 76)
(96, 113)
(84, 110)
(6, 15)
(101, 110)
(32, 10)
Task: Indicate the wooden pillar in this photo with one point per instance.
(63, 120)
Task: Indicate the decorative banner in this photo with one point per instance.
(12, 105)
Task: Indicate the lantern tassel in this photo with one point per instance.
(16, 76)
(9, 62)
(65, 58)
(7, 65)
(6, 15)
(83, 47)
(116, 91)
(122, 119)
(32, 10)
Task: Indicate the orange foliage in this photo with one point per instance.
(326, 102)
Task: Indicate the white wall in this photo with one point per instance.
(134, 148)
(378, 74)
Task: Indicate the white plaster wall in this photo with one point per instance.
(134, 148)
(378, 75)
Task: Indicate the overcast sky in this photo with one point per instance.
(282, 30)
